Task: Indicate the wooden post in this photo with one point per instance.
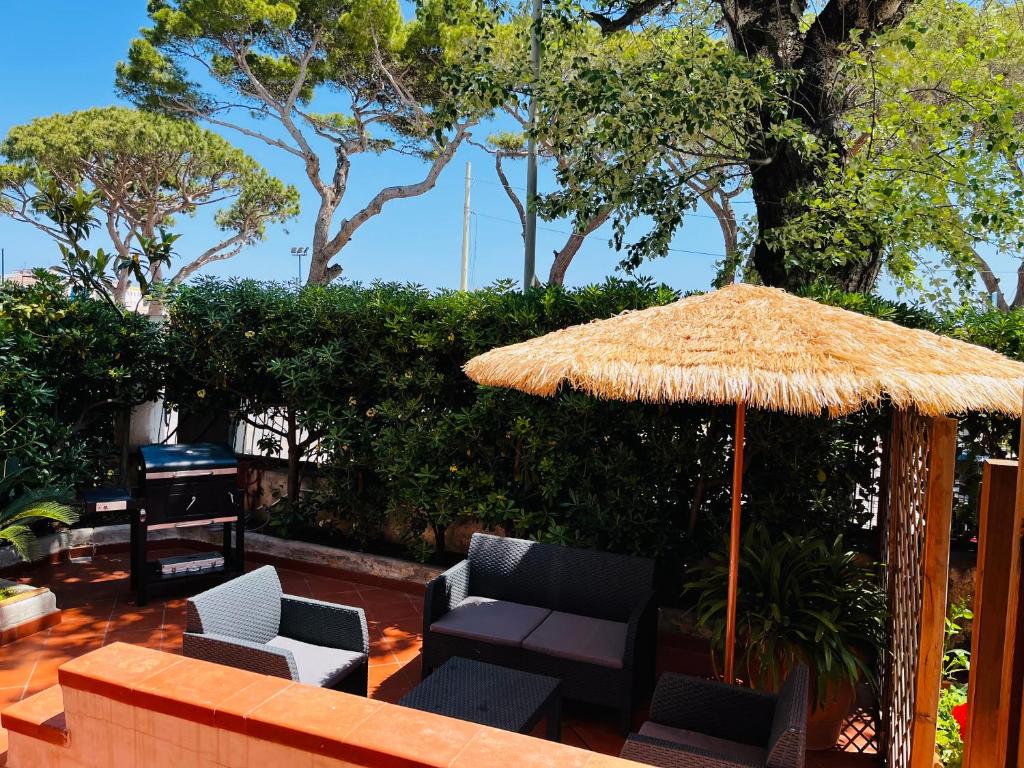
(1015, 726)
(935, 572)
(995, 617)
(734, 544)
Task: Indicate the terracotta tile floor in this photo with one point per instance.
(98, 609)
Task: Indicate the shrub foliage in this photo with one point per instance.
(375, 374)
(371, 376)
(72, 369)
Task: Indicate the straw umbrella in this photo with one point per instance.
(746, 345)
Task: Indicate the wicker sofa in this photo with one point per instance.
(249, 623)
(706, 724)
(585, 617)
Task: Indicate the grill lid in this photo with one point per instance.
(187, 456)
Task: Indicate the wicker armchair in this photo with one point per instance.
(705, 724)
(250, 624)
(585, 617)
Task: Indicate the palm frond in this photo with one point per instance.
(42, 504)
(54, 511)
(21, 538)
(27, 508)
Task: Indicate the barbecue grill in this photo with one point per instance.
(187, 482)
(182, 486)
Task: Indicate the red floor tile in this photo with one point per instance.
(98, 609)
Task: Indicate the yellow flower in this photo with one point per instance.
(453, 469)
(250, 334)
(201, 394)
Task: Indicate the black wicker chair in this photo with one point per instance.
(705, 724)
(250, 624)
(585, 617)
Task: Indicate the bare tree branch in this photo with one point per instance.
(222, 251)
(633, 13)
(375, 206)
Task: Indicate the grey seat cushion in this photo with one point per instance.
(733, 749)
(580, 638)
(317, 665)
(492, 621)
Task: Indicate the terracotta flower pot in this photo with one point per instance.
(825, 723)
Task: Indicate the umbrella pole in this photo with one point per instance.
(734, 543)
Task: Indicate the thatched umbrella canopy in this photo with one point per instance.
(749, 345)
(764, 347)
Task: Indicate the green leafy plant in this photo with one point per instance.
(368, 383)
(956, 665)
(73, 366)
(72, 213)
(20, 511)
(801, 598)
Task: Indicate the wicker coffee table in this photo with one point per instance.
(490, 695)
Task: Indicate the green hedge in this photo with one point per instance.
(375, 373)
(70, 369)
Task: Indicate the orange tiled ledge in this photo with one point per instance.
(30, 627)
(129, 707)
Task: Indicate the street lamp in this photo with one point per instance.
(300, 252)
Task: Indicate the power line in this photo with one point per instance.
(523, 189)
(567, 233)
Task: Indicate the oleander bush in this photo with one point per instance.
(71, 370)
(374, 373)
(368, 381)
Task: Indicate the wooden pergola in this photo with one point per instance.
(749, 346)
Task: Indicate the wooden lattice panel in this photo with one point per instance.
(903, 551)
(916, 552)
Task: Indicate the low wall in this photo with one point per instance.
(123, 706)
(87, 541)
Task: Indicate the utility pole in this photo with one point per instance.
(300, 252)
(530, 231)
(464, 276)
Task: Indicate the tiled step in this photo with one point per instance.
(40, 716)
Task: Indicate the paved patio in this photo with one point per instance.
(97, 609)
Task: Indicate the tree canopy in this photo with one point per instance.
(142, 171)
(354, 74)
(869, 145)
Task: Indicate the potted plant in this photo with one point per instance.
(25, 609)
(801, 598)
(21, 509)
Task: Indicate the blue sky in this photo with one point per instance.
(60, 56)
(64, 55)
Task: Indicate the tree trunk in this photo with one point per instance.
(810, 58)
(775, 187)
(440, 533)
(322, 252)
(294, 457)
(564, 256)
(1018, 298)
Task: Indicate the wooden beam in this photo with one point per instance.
(935, 573)
(995, 617)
